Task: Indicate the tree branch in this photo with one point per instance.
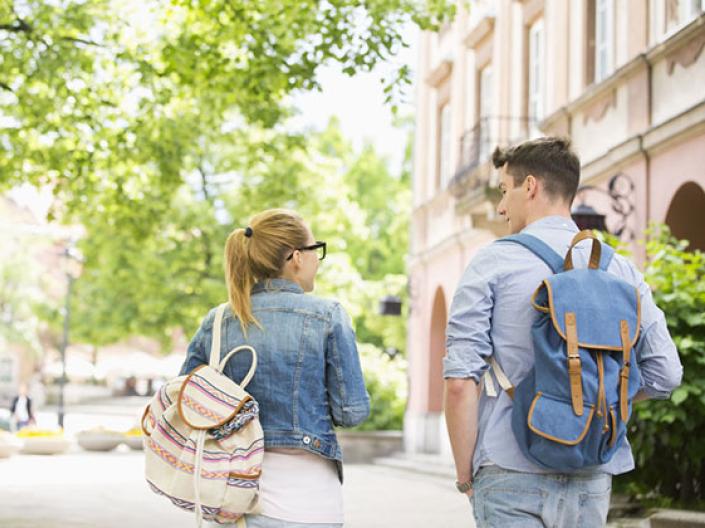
(204, 185)
(208, 257)
(81, 41)
(6, 87)
(19, 27)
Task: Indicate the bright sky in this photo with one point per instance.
(359, 104)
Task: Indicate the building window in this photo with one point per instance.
(604, 39)
(444, 145)
(536, 75)
(486, 102)
(678, 13)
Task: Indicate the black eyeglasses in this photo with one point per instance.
(319, 247)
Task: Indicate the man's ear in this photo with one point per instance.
(531, 184)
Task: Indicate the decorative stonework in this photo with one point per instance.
(597, 110)
(480, 32)
(686, 55)
(439, 73)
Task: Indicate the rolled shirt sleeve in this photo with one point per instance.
(468, 340)
(659, 365)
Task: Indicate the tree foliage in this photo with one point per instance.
(111, 102)
(159, 125)
(168, 278)
(670, 460)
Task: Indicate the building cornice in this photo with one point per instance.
(462, 238)
(601, 95)
(480, 31)
(440, 73)
(679, 128)
(676, 41)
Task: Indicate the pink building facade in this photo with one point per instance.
(625, 79)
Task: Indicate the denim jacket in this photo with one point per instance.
(308, 377)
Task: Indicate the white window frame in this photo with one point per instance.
(604, 39)
(485, 111)
(688, 10)
(536, 72)
(444, 129)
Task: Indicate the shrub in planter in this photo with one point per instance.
(667, 435)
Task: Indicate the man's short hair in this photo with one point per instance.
(549, 159)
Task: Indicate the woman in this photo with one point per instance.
(21, 408)
(308, 377)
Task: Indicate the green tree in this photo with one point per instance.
(110, 102)
(170, 275)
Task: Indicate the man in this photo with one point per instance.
(491, 316)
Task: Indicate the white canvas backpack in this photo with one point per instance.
(204, 444)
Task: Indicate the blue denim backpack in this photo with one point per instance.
(571, 410)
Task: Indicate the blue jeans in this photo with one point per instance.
(504, 498)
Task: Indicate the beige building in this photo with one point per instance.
(625, 79)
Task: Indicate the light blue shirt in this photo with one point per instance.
(491, 314)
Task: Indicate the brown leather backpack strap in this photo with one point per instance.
(595, 253)
(624, 373)
(574, 363)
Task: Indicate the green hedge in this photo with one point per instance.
(668, 436)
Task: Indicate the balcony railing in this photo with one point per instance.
(477, 144)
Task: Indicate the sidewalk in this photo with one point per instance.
(81, 489)
(107, 490)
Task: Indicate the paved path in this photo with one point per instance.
(106, 490)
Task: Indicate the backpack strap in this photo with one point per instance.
(555, 262)
(606, 258)
(624, 373)
(539, 248)
(214, 359)
(502, 379)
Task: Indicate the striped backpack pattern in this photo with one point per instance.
(204, 444)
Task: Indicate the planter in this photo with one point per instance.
(134, 439)
(9, 445)
(45, 445)
(99, 440)
(362, 447)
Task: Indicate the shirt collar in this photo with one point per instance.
(271, 285)
(552, 222)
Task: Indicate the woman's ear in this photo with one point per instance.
(296, 259)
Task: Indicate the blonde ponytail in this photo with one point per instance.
(260, 256)
(239, 277)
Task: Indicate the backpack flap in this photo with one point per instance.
(208, 399)
(555, 420)
(599, 300)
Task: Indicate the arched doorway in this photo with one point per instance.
(686, 215)
(437, 351)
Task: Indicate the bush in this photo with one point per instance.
(667, 435)
(387, 384)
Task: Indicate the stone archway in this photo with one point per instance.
(686, 215)
(437, 350)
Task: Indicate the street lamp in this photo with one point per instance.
(390, 305)
(71, 258)
(620, 189)
(587, 218)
